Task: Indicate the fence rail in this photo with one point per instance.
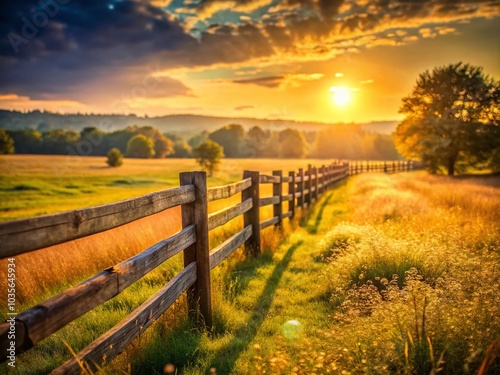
(22, 236)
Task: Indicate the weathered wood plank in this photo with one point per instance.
(291, 193)
(199, 295)
(113, 342)
(266, 179)
(287, 214)
(51, 315)
(227, 191)
(285, 179)
(298, 194)
(268, 201)
(277, 192)
(252, 217)
(136, 267)
(287, 198)
(226, 248)
(21, 236)
(269, 222)
(221, 217)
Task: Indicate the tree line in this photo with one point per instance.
(347, 141)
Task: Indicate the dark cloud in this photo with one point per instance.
(270, 81)
(69, 50)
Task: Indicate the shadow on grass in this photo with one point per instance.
(313, 229)
(227, 356)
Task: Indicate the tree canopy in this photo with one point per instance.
(208, 154)
(140, 146)
(6, 143)
(452, 119)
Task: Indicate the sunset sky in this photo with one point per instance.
(310, 60)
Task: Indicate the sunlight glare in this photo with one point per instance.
(341, 96)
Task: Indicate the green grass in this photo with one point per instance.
(32, 185)
(323, 297)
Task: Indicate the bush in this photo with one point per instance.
(115, 157)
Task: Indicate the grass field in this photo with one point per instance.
(32, 185)
(323, 298)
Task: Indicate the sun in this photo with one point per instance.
(341, 95)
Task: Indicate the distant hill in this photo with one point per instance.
(183, 125)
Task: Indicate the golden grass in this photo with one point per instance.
(415, 274)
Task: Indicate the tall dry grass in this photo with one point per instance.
(414, 275)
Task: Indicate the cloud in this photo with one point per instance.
(16, 102)
(85, 48)
(243, 107)
(366, 82)
(280, 81)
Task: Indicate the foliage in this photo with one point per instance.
(209, 154)
(115, 158)
(59, 141)
(6, 143)
(140, 146)
(293, 144)
(182, 150)
(230, 138)
(452, 117)
(26, 141)
(349, 141)
(162, 145)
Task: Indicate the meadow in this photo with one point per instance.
(385, 274)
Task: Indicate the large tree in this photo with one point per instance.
(452, 118)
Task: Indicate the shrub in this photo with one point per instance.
(115, 157)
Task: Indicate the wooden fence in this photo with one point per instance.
(21, 236)
(357, 167)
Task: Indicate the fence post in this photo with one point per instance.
(315, 170)
(252, 216)
(322, 170)
(278, 192)
(309, 184)
(385, 166)
(291, 190)
(301, 199)
(199, 298)
(393, 167)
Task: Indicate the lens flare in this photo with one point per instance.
(292, 329)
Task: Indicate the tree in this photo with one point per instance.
(208, 155)
(6, 143)
(293, 144)
(452, 118)
(57, 141)
(26, 141)
(140, 146)
(182, 150)
(229, 137)
(162, 145)
(115, 157)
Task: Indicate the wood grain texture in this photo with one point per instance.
(268, 201)
(21, 236)
(226, 248)
(227, 191)
(266, 179)
(277, 192)
(269, 222)
(51, 315)
(252, 217)
(199, 295)
(221, 217)
(119, 337)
